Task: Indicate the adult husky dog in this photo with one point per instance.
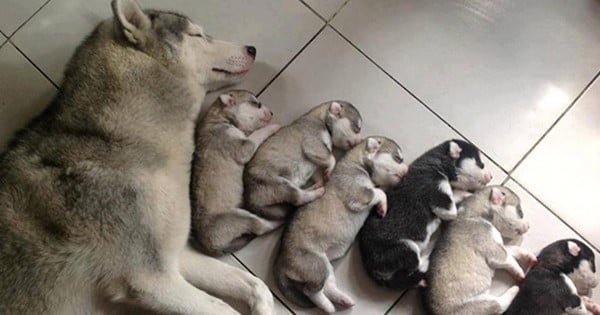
(94, 194)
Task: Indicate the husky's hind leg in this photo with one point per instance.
(169, 292)
(225, 281)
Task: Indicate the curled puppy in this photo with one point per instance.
(468, 251)
(395, 250)
(560, 282)
(226, 139)
(324, 230)
(301, 152)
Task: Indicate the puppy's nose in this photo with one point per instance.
(251, 50)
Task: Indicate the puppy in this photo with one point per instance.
(468, 251)
(324, 229)
(395, 250)
(275, 177)
(226, 139)
(564, 275)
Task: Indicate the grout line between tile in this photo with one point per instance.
(338, 11)
(395, 302)
(313, 11)
(291, 60)
(5, 39)
(306, 45)
(560, 117)
(555, 215)
(33, 64)
(414, 95)
(28, 19)
(252, 273)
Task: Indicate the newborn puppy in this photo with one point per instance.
(324, 230)
(226, 139)
(395, 250)
(468, 251)
(564, 275)
(276, 177)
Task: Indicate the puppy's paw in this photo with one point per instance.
(518, 275)
(317, 185)
(530, 260)
(591, 306)
(271, 129)
(329, 309)
(319, 192)
(345, 302)
(382, 209)
(422, 284)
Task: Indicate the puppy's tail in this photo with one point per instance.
(291, 289)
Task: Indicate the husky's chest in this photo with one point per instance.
(167, 207)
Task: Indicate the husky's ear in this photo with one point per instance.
(131, 20)
(335, 109)
(454, 150)
(497, 197)
(227, 99)
(574, 249)
(372, 146)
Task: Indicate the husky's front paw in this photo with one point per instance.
(262, 303)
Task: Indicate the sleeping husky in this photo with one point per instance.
(94, 193)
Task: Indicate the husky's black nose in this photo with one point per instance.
(251, 50)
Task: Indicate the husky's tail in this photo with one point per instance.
(291, 289)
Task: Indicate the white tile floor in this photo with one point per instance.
(514, 77)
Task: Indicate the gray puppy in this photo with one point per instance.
(324, 230)
(468, 251)
(94, 193)
(275, 178)
(226, 139)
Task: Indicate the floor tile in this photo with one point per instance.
(330, 68)
(545, 229)
(484, 66)
(14, 12)
(326, 8)
(564, 169)
(326, 70)
(24, 92)
(2, 40)
(50, 38)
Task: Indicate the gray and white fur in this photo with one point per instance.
(94, 193)
(470, 249)
(226, 139)
(560, 283)
(395, 250)
(275, 179)
(324, 229)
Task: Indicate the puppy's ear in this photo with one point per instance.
(131, 20)
(372, 146)
(454, 150)
(574, 249)
(227, 99)
(335, 109)
(497, 196)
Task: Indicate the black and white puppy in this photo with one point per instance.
(564, 275)
(395, 249)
